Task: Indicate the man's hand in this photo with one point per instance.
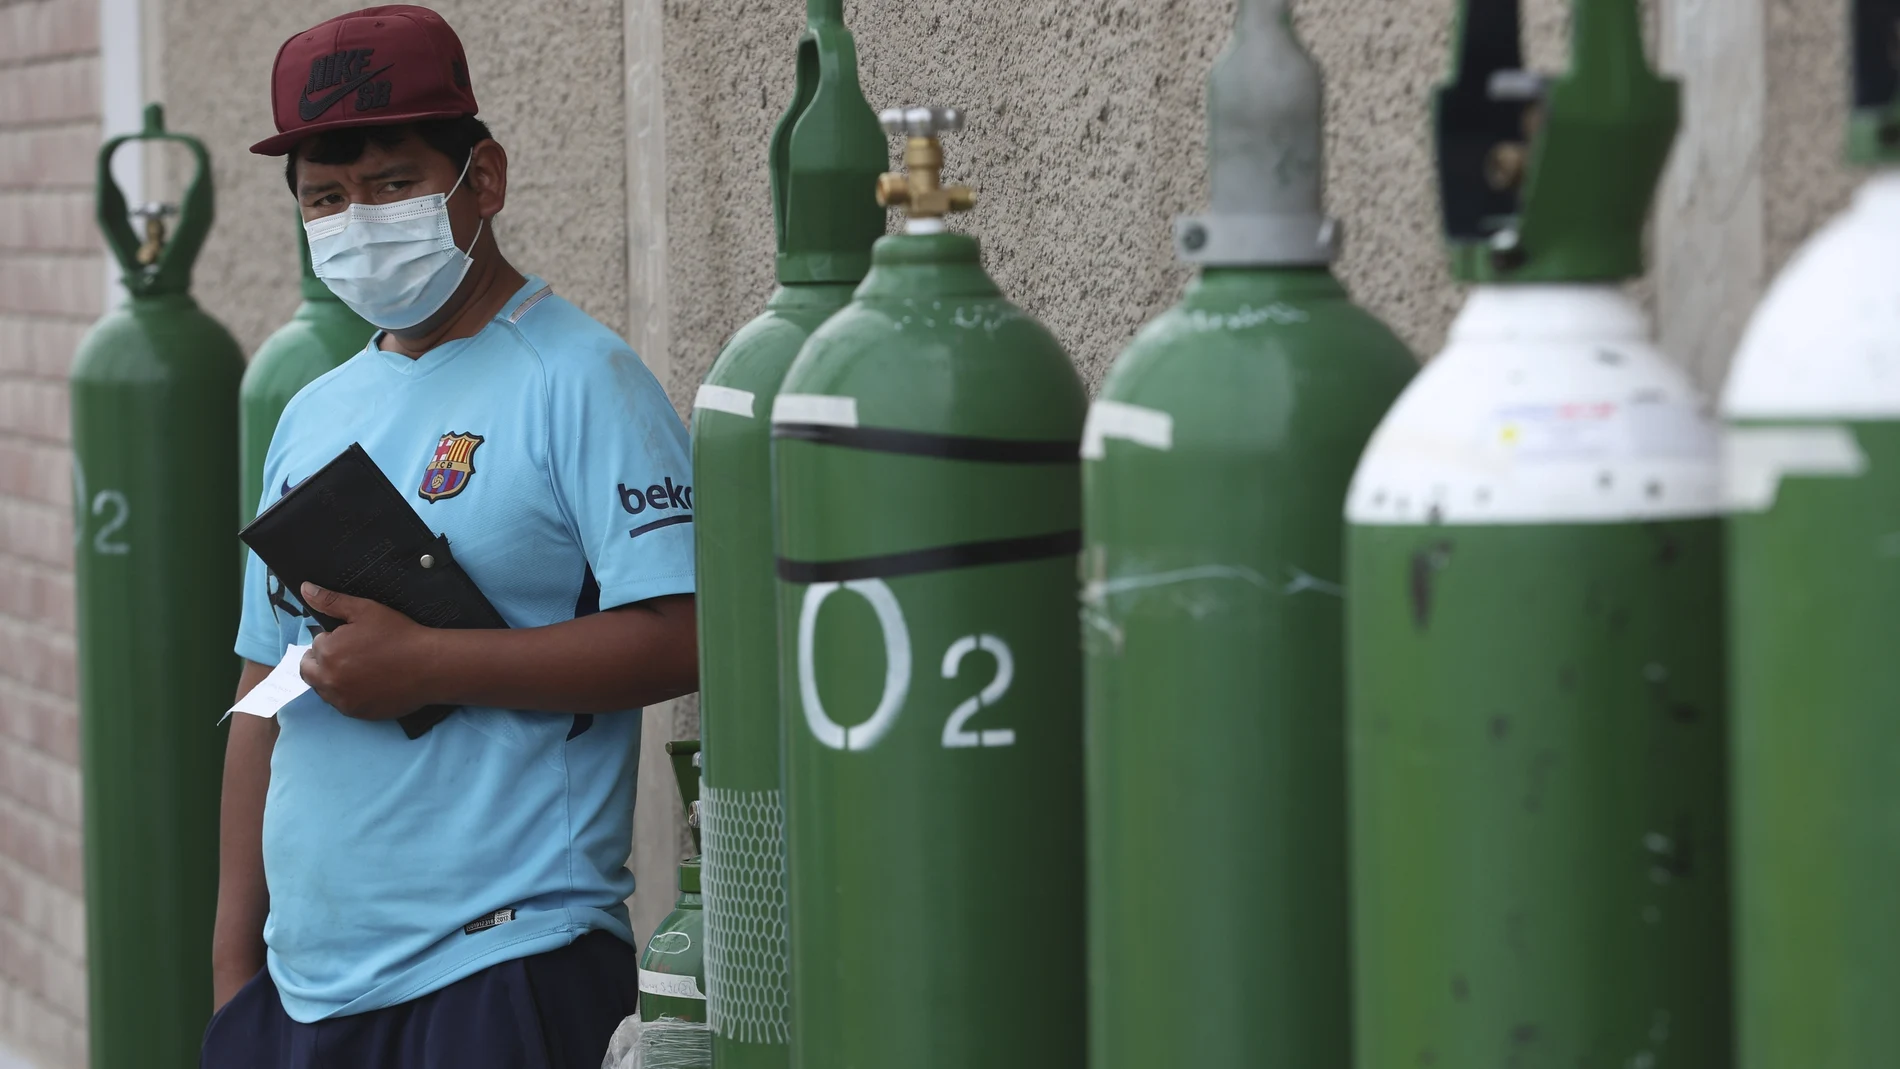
(375, 666)
(380, 665)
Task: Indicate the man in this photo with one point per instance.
(453, 900)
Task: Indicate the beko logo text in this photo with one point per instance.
(661, 495)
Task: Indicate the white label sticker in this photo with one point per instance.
(1576, 430)
(1113, 419)
(724, 399)
(815, 408)
(671, 985)
(283, 685)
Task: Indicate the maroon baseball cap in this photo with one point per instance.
(375, 67)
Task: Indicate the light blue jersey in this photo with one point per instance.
(549, 456)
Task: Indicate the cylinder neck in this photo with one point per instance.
(935, 265)
(1265, 150)
(826, 153)
(1550, 179)
(1293, 282)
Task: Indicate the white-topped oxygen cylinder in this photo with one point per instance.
(1534, 616)
(1812, 413)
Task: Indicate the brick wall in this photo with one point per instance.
(51, 288)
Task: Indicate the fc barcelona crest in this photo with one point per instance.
(452, 467)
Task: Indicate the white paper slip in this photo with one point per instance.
(284, 683)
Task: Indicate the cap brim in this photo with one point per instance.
(281, 144)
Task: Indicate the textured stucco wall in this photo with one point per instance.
(1805, 177)
(548, 76)
(1085, 136)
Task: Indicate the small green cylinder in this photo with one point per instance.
(927, 494)
(673, 966)
(320, 336)
(1216, 713)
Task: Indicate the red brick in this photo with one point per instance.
(38, 966)
(36, 472)
(47, 723)
(52, 914)
(49, 222)
(48, 787)
(37, 532)
(39, 346)
(38, 658)
(36, 595)
(52, 1038)
(38, 29)
(52, 157)
(61, 89)
(35, 408)
(61, 284)
(41, 845)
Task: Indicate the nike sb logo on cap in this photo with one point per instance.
(344, 70)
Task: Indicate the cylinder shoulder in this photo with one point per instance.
(1579, 430)
(965, 365)
(177, 342)
(1825, 340)
(1246, 370)
(302, 350)
(759, 354)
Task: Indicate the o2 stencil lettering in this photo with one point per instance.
(110, 504)
(955, 736)
(897, 675)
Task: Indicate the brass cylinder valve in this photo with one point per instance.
(919, 192)
(153, 216)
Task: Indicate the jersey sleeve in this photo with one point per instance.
(621, 467)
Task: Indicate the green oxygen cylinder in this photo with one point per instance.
(323, 334)
(673, 966)
(1215, 462)
(155, 454)
(825, 158)
(1534, 609)
(1812, 406)
(928, 503)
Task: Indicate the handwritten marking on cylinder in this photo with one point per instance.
(890, 617)
(1756, 459)
(815, 408)
(1113, 419)
(723, 399)
(954, 735)
(670, 985)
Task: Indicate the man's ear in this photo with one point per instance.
(488, 177)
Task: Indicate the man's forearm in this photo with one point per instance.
(620, 659)
(237, 937)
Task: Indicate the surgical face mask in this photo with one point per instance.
(393, 264)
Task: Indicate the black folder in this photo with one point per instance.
(348, 529)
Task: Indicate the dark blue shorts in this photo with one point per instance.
(550, 1011)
